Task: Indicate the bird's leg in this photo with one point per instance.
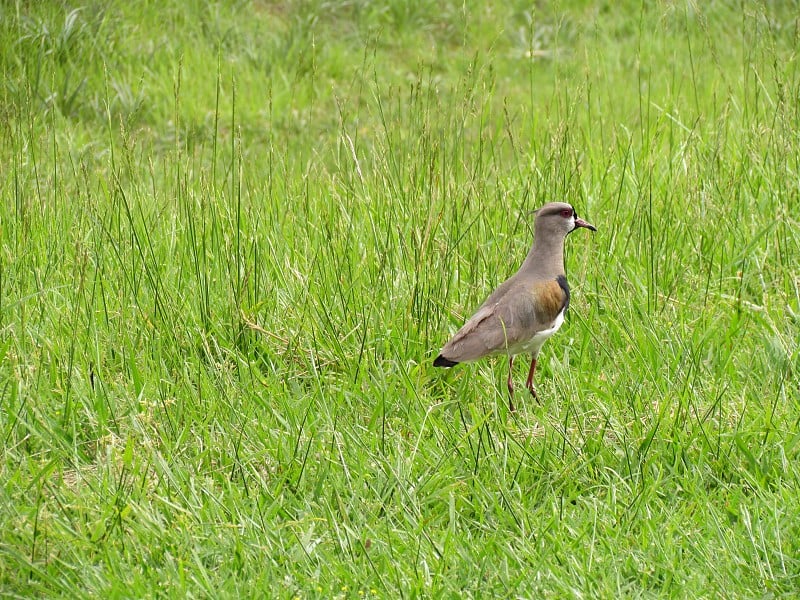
(529, 383)
(511, 384)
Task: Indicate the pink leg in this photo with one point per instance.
(529, 383)
(510, 384)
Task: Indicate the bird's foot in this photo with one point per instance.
(510, 384)
(532, 390)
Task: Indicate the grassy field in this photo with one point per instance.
(234, 236)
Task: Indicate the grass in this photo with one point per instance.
(234, 236)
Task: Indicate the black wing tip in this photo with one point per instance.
(441, 361)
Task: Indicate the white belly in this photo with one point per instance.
(534, 344)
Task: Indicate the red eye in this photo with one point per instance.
(566, 213)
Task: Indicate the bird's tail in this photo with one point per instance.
(441, 361)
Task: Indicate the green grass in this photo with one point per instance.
(233, 237)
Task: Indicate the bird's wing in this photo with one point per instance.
(526, 308)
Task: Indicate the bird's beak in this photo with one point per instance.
(581, 223)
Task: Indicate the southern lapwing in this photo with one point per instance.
(527, 308)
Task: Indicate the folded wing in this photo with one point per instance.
(502, 323)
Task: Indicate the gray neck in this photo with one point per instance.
(546, 256)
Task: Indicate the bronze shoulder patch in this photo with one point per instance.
(550, 298)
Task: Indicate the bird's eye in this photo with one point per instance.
(567, 213)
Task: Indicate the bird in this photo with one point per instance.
(528, 307)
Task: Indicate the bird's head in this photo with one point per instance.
(558, 219)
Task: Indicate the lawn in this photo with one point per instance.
(233, 237)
